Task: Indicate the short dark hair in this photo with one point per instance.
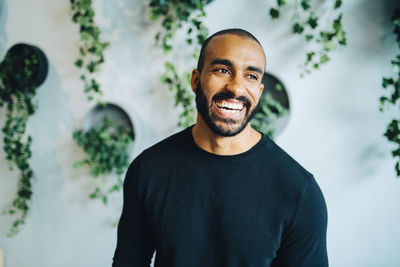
(238, 32)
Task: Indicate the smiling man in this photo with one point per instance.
(220, 193)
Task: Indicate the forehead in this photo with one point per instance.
(237, 49)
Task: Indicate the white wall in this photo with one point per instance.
(335, 129)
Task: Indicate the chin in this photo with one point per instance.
(225, 129)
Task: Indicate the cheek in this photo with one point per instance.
(256, 94)
(210, 88)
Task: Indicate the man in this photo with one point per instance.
(220, 193)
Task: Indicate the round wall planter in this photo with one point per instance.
(95, 117)
(16, 56)
(276, 100)
(107, 137)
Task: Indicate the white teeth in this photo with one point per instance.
(231, 110)
(234, 106)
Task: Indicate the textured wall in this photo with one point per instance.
(335, 129)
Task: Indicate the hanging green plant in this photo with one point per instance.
(106, 148)
(91, 50)
(22, 71)
(269, 112)
(325, 37)
(273, 110)
(176, 15)
(183, 97)
(392, 98)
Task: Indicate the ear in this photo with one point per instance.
(195, 79)
(261, 88)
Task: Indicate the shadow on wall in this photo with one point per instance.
(52, 121)
(127, 28)
(3, 19)
(125, 18)
(54, 124)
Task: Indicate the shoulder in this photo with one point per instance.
(167, 148)
(291, 181)
(152, 164)
(298, 187)
(284, 166)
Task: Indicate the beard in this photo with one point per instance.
(230, 127)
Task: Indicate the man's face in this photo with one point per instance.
(229, 86)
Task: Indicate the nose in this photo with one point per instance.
(236, 85)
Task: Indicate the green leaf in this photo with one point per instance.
(324, 58)
(82, 51)
(329, 45)
(79, 63)
(281, 2)
(78, 164)
(274, 13)
(310, 56)
(297, 28)
(312, 21)
(338, 3)
(305, 4)
(278, 87)
(386, 82)
(309, 37)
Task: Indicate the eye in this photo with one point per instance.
(252, 76)
(222, 70)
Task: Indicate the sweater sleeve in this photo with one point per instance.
(135, 244)
(304, 243)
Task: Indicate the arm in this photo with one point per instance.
(135, 245)
(304, 242)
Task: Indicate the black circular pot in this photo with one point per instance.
(13, 66)
(270, 85)
(274, 120)
(95, 117)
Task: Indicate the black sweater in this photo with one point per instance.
(198, 209)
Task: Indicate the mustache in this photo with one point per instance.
(229, 95)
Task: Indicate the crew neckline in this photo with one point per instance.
(198, 150)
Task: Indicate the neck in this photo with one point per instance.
(206, 139)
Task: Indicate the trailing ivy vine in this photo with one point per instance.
(106, 146)
(176, 15)
(17, 91)
(91, 50)
(183, 96)
(106, 153)
(307, 23)
(392, 96)
(269, 111)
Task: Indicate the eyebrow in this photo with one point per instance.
(228, 63)
(256, 69)
(225, 62)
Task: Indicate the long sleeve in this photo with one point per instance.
(304, 243)
(135, 244)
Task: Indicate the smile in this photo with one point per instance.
(229, 105)
(229, 109)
